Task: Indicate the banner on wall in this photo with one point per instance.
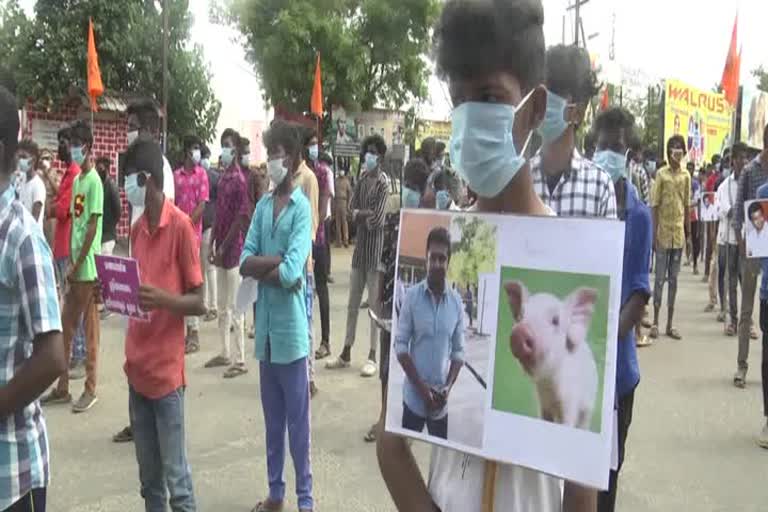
(353, 127)
(754, 116)
(703, 119)
(438, 130)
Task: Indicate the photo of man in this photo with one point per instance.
(430, 342)
(757, 234)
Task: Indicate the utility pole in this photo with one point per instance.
(165, 76)
(577, 24)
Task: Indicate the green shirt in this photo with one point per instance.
(87, 200)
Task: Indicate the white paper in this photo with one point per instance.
(247, 293)
(756, 228)
(615, 443)
(500, 417)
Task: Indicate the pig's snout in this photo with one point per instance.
(523, 346)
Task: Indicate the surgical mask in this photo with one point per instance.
(483, 148)
(24, 164)
(371, 161)
(650, 166)
(411, 198)
(196, 156)
(276, 171)
(245, 160)
(442, 199)
(313, 152)
(78, 155)
(227, 155)
(135, 194)
(132, 136)
(206, 163)
(554, 123)
(614, 163)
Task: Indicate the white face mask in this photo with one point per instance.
(277, 171)
(132, 136)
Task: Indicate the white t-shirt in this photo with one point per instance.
(456, 482)
(169, 189)
(31, 192)
(331, 191)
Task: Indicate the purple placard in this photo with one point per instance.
(120, 286)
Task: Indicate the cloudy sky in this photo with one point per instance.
(684, 39)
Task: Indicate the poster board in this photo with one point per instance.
(120, 283)
(754, 116)
(755, 228)
(495, 409)
(708, 207)
(703, 119)
(438, 130)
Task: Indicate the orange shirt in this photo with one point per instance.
(168, 259)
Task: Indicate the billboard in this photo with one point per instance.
(353, 127)
(754, 116)
(439, 130)
(703, 119)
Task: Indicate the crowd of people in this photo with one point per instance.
(198, 231)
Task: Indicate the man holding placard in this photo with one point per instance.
(492, 53)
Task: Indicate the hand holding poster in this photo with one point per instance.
(521, 369)
(119, 279)
(755, 213)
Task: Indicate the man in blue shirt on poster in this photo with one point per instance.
(615, 129)
(430, 334)
(762, 193)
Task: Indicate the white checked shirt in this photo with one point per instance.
(29, 307)
(583, 191)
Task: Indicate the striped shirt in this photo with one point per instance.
(585, 190)
(29, 307)
(371, 192)
(753, 176)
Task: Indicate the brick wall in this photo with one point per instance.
(109, 139)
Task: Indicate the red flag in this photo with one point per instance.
(95, 86)
(316, 106)
(605, 100)
(730, 80)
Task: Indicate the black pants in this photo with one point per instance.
(764, 328)
(320, 255)
(696, 241)
(32, 502)
(328, 229)
(711, 240)
(412, 421)
(606, 500)
(728, 261)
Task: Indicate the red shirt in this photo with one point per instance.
(63, 217)
(168, 259)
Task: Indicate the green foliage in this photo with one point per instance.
(648, 114)
(372, 51)
(762, 78)
(475, 253)
(49, 55)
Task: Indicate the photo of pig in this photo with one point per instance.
(550, 349)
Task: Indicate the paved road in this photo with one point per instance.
(690, 448)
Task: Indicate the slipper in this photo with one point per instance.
(644, 341)
(235, 371)
(740, 379)
(336, 364)
(218, 361)
(370, 436)
(267, 506)
(192, 347)
(730, 330)
(709, 308)
(752, 333)
(654, 333)
(674, 334)
(322, 351)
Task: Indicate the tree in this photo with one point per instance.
(372, 50)
(48, 57)
(475, 253)
(762, 78)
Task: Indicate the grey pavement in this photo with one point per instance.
(690, 447)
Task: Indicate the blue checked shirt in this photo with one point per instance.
(28, 307)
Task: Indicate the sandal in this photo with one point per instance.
(644, 341)
(654, 332)
(674, 334)
(730, 330)
(721, 316)
(740, 379)
(235, 371)
(210, 316)
(709, 308)
(268, 506)
(124, 436)
(322, 351)
(218, 361)
(752, 333)
(370, 436)
(191, 347)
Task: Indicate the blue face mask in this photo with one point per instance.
(614, 163)
(483, 149)
(245, 160)
(227, 155)
(313, 152)
(371, 161)
(650, 166)
(134, 193)
(554, 123)
(443, 199)
(78, 155)
(206, 164)
(411, 198)
(25, 164)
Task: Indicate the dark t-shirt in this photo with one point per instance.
(112, 210)
(209, 213)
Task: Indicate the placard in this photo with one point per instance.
(534, 325)
(755, 229)
(708, 207)
(119, 279)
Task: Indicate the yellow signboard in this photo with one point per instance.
(702, 118)
(438, 130)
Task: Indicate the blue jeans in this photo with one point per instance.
(285, 401)
(158, 434)
(78, 347)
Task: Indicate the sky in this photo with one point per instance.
(683, 39)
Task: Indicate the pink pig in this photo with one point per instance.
(550, 341)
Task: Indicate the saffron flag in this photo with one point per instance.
(316, 106)
(95, 86)
(730, 80)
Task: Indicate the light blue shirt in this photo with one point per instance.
(281, 313)
(431, 330)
